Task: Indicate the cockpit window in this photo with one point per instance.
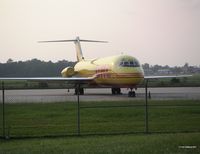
(129, 63)
(126, 63)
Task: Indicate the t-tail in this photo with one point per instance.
(77, 43)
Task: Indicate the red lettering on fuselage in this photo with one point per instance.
(102, 71)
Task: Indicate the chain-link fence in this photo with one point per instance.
(1, 117)
(40, 113)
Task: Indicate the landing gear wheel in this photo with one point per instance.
(81, 91)
(131, 94)
(116, 91)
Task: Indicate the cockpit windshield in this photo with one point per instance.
(129, 63)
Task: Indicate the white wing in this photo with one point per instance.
(162, 77)
(56, 79)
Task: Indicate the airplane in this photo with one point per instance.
(115, 72)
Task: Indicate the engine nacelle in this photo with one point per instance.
(68, 72)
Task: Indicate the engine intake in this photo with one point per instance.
(68, 72)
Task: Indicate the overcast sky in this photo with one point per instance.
(165, 32)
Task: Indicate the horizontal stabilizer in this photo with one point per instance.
(76, 41)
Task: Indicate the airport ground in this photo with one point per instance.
(104, 94)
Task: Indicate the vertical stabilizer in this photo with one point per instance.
(79, 53)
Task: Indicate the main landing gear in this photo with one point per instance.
(81, 91)
(131, 93)
(116, 91)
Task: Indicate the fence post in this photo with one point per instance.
(3, 109)
(146, 107)
(78, 110)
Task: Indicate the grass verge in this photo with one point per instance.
(174, 127)
(57, 119)
(153, 143)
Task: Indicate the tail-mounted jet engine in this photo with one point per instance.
(68, 72)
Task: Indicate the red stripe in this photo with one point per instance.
(114, 75)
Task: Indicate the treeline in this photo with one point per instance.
(167, 70)
(33, 68)
(38, 68)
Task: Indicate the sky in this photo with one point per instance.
(164, 32)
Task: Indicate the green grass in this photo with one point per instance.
(56, 119)
(116, 144)
(171, 124)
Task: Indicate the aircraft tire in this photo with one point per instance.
(116, 91)
(81, 91)
(131, 94)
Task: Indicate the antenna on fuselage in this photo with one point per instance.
(77, 43)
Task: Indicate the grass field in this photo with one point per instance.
(116, 144)
(171, 124)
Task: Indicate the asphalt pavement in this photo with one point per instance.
(62, 95)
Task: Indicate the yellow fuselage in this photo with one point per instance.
(116, 71)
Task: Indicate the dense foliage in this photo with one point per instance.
(32, 68)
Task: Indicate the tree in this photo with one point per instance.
(145, 66)
(186, 65)
(9, 61)
(32, 68)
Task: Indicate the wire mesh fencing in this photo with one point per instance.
(44, 113)
(1, 118)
